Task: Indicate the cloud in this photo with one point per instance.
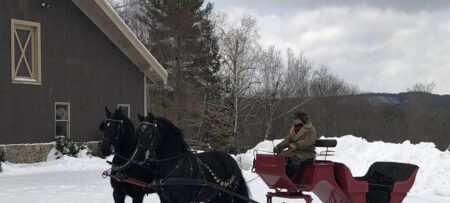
(376, 45)
(267, 6)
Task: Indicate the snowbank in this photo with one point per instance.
(65, 163)
(74, 180)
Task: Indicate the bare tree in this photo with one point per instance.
(278, 83)
(422, 87)
(297, 76)
(327, 88)
(323, 83)
(297, 80)
(130, 12)
(270, 87)
(239, 53)
(115, 4)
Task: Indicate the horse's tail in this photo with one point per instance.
(242, 187)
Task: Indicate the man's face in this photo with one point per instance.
(297, 121)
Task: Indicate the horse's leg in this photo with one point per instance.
(139, 198)
(119, 196)
(164, 200)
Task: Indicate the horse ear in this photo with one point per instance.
(120, 112)
(102, 126)
(108, 113)
(150, 116)
(141, 118)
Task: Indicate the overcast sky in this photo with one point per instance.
(377, 45)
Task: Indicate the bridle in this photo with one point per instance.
(150, 148)
(154, 135)
(120, 129)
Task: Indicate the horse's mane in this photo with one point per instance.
(174, 131)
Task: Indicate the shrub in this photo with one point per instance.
(2, 159)
(84, 151)
(65, 146)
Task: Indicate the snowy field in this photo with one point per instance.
(72, 180)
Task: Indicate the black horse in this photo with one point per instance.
(120, 139)
(181, 175)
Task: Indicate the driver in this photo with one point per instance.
(300, 142)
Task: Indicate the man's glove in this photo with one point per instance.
(276, 150)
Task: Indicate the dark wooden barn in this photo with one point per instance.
(61, 62)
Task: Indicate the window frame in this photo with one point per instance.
(35, 42)
(68, 117)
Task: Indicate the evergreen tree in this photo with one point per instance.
(181, 38)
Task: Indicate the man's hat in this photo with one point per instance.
(302, 115)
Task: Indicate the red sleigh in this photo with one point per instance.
(384, 182)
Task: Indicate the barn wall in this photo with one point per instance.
(80, 65)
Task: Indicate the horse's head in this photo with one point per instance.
(157, 133)
(148, 132)
(113, 128)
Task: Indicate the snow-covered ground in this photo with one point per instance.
(79, 180)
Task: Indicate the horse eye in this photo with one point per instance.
(108, 124)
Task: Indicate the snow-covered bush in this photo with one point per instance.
(84, 152)
(65, 146)
(2, 159)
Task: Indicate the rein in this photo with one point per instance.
(127, 163)
(154, 135)
(130, 160)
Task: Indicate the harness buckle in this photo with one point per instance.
(203, 182)
(106, 174)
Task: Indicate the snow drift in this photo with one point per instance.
(79, 179)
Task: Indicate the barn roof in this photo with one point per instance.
(104, 16)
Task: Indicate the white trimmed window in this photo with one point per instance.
(25, 52)
(125, 108)
(62, 119)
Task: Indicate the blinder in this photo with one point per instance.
(102, 126)
(150, 136)
(119, 127)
